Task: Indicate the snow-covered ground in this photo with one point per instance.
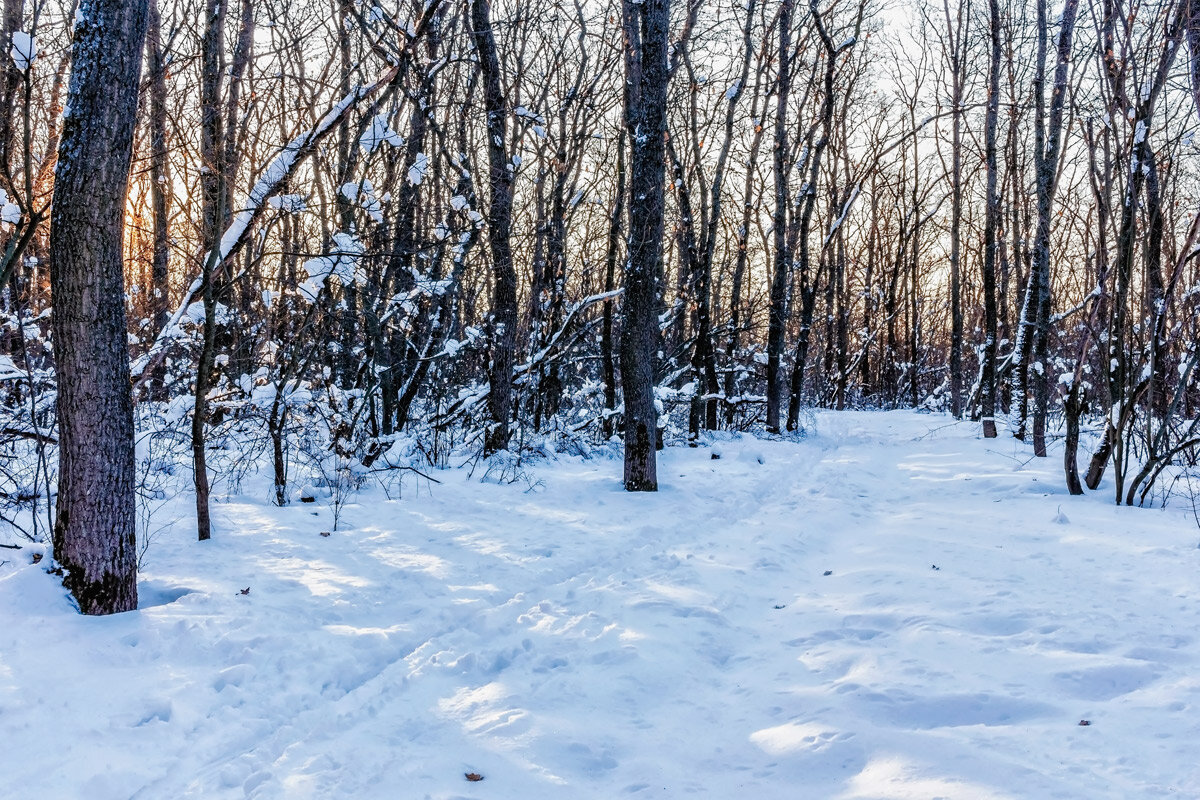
(891, 608)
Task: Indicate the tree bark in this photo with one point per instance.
(958, 77)
(777, 318)
(646, 26)
(502, 327)
(1047, 142)
(608, 363)
(987, 391)
(160, 180)
(94, 533)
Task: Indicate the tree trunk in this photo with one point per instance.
(94, 534)
(610, 275)
(160, 180)
(646, 26)
(502, 328)
(1047, 141)
(1073, 410)
(958, 68)
(777, 320)
(212, 188)
(808, 284)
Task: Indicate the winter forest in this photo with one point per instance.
(481, 398)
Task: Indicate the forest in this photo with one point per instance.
(356, 238)
(542, 388)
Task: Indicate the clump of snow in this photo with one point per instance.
(221, 313)
(9, 369)
(419, 169)
(341, 262)
(378, 133)
(24, 50)
(10, 212)
(363, 193)
(288, 203)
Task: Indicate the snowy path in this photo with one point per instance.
(575, 641)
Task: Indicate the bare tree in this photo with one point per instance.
(992, 221)
(503, 315)
(645, 25)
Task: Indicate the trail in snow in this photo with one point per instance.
(577, 641)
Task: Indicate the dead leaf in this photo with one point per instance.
(1085, 722)
(37, 558)
(474, 777)
(245, 591)
(325, 534)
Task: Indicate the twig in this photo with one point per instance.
(410, 469)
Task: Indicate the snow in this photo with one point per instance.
(891, 607)
(1139, 133)
(288, 203)
(340, 263)
(370, 203)
(419, 169)
(378, 133)
(10, 212)
(24, 50)
(524, 113)
(9, 370)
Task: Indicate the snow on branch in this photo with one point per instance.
(270, 181)
(552, 346)
(24, 50)
(837, 223)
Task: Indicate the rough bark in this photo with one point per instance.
(212, 203)
(957, 57)
(645, 27)
(94, 533)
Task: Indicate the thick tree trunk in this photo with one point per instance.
(94, 534)
(646, 26)
(1073, 410)
(956, 313)
(987, 391)
(10, 85)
